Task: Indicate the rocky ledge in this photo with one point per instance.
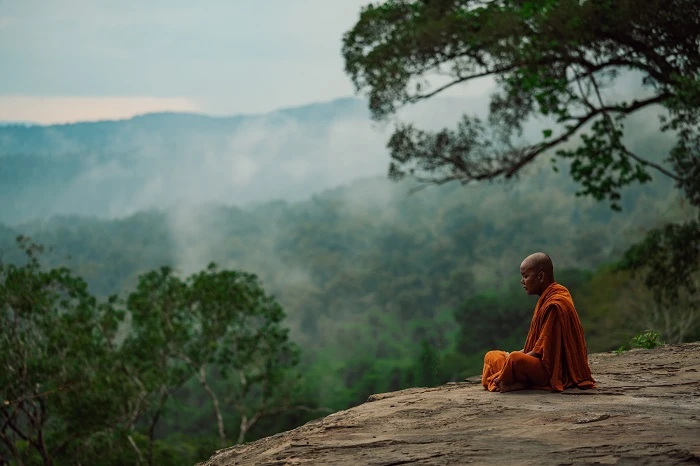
(645, 411)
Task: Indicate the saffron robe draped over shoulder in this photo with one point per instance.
(557, 335)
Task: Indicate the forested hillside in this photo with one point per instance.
(383, 288)
(370, 243)
(174, 283)
(117, 168)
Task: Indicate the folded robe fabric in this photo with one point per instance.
(557, 335)
(513, 368)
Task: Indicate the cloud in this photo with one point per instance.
(285, 158)
(117, 169)
(140, 164)
(68, 109)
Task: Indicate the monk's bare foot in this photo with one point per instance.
(511, 388)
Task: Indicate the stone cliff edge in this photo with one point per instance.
(646, 410)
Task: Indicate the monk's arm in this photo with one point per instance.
(550, 327)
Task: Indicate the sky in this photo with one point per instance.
(76, 60)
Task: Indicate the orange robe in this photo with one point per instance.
(556, 334)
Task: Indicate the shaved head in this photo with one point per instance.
(537, 272)
(540, 262)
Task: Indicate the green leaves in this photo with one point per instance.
(56, 362)
(601, 163)
(649, 339)
(214, 323)
(554, 58)
(75, 388)
(550, 57)
(669, 257)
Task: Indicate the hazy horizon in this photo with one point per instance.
(184, 111)
(112, 169)
(84, 60)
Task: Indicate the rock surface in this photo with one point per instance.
(645, 411)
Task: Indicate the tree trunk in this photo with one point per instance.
(140, 459)
(154, 423)
(215, 403)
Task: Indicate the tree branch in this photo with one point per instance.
(18, 432)
(215, 403)
(625, 150)
(139, 455)
(428, 182)
(13, 449)
(652, 165)
(538, 149)
(154, 422)
(418, 97)
(590, 68)
(41, 442)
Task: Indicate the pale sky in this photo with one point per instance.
(64, 59)
(68, 60)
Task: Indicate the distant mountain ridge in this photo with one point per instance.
(17, 123)
(117, 167)
(317, 112)
(316, 109)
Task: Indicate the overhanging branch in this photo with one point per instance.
(582, 120)
(515, 159)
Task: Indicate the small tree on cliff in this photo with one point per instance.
(553, 58)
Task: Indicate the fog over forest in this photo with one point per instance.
(114, 169)
(383, 286)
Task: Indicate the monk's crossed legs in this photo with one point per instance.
(516, 370)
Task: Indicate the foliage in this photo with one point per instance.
(416, 286)
(670, 255)
(57, 352)
(649, 339)
(220, 321)
(80, 386)
(563, 60)
(484, 318)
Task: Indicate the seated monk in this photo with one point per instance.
(555, 355)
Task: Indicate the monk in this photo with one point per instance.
(555, 356)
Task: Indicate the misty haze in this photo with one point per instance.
(116, 168)
(220, 223)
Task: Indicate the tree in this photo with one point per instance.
(215, 325)
(62, 400)
(558, 59)
(157, 325)
(492, 320)
(82, 384)
(675, 323)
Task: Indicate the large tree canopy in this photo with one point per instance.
(553, 58)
